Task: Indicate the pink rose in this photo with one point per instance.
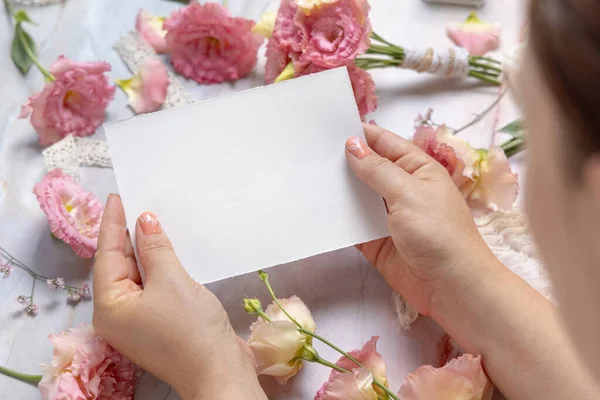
(151, 29)
(85, 367)
(461, 379)
(74, 103)
(74, 215)
(359, 384)
(208, 45)
(147, 90)
(475, 36)
(484, 178)
(277, 344)
(333, 32)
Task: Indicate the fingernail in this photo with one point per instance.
(149, 223)
(357, 147)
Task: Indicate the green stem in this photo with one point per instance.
(20, 376)
(333, 346)
(483, 77)
(32, 289)
(329, 364)
(262, 314)
(482, 114)
(49, 77)
(225, 3)
(9, 8)
(385, 389)
(266, 281)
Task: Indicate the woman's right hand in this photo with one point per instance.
(434, 240)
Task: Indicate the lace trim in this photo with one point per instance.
(507, 235)
(133, 49)
(72, 152)
(35, 3)
(448, 62)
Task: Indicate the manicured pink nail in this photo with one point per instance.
(357, 147)
(149, 223)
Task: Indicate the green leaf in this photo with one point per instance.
(18, 53)
(22, 16)
(515, 129)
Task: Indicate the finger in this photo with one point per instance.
(155, 250)
(400, 151)
(132, 272)
(381, 174)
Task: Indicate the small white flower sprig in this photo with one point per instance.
(74, 293)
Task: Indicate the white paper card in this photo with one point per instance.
(250, 180)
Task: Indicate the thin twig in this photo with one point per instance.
(482, 114)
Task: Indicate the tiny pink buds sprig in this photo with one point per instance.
(281, 339)
(74, 293)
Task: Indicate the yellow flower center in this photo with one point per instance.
(69, 207)
(71, 97)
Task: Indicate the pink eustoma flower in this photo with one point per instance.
(364, 89)
(74, 103)
(147, 90)
(461, 379)
(85, 367)
(208, 45)
(74, 215)
(359, 384)
(151, 29)
(333, 32)
(475, 36)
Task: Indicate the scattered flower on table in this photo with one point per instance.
(151, 28)
(484, 177)
(73, 102)
(277, 344)
(5, 270)
(476, 36)
(74, 215)
(147, 90)
(84, 366)
(208, 45)
(359, 384)
(21, 299)
(313, 36)
(462, 379)
(33, 309)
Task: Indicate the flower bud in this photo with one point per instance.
(253, 306)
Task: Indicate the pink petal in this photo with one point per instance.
(148, 90)
(475, 36)
(355, 386)
(470, 367)
(428, 383)
(497, 187)
(151, 29)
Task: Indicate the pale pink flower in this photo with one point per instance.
(84, 291)
(484, 178)
(497, 186)
(74, 103)
(85, 367)
(147, 90)
(22, 299)
(460, 379)
(333, 33)
(277, 344)
(359, 384)
(151, 29)
(208, 45)
(74, 215)
(475, 36)
(364, 90)
(56, 283)
(460, 160)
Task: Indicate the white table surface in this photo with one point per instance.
(349, 300)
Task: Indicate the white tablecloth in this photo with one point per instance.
(349, 300)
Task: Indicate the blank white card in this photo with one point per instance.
(250, 180)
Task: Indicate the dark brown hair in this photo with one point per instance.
(565, 38)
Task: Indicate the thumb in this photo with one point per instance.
(155, 251)
(381, 174)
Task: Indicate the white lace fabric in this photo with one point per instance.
(35, 3)
(73, 152)
(507, 235)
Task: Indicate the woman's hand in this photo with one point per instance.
(433, 232)
(171, 326)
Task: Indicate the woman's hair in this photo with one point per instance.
(565, 38)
